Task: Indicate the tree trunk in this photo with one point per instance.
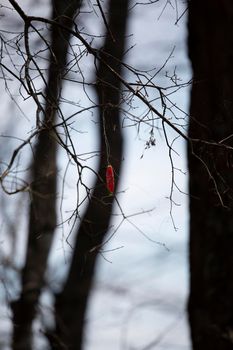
(71, 303)
(42, 217)
(211, 191)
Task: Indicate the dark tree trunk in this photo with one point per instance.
(71, 303)
(42, 217)
(211, 194)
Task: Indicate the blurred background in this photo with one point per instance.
(140, 290)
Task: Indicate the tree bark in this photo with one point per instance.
(71, 303)
(42, 216)
(211, 191)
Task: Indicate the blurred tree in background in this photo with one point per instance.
(43, 189)
(210, 175)
(71, 302)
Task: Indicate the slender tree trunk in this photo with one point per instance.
(71, 303)
(42, 216)
(211, 194)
